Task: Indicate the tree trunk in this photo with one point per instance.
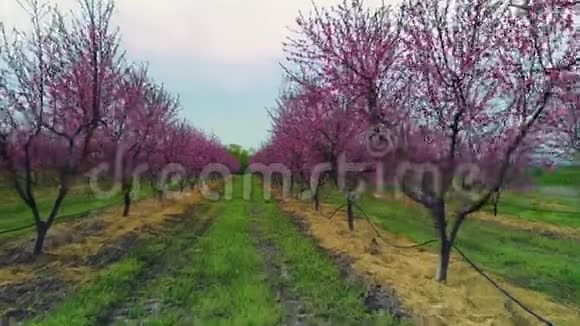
(41, 231)
(127, 192)
(496, 202)
(316, 201)
(444, 257)
(43, 227)
(438, 213)
(350, 214)
(127, 199)
(158, 193)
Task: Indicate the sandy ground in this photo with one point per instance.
(77, 249)
(467, 298)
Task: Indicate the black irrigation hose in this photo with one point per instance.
(385, 241)
(17, 229)
(540, 210)
(63, 218)
(335, 211)
(503, 291)
(469, 261)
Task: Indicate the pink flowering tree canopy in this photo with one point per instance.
(490, 93)
(57, 88)
(69, 101)
(467, 93)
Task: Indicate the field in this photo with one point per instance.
(234, 262)
(257, 262)
(465, 112)
(15, 214)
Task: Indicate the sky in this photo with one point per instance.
(220, 56)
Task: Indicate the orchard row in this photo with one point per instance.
(440, 83)
(69, 101)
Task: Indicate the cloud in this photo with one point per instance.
(221, 31)
(220, 55)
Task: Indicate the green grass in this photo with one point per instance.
(532, 206)
(563, 176)
(542, 263)
(218, 278)
(16, 218)
(89, 303)
(317, 281)
(85, 306)
(222, 282)
(223, 285)
(560, 187)
(115, 284)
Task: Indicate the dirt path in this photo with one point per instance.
(76, 251)
(277, 275)
(467, 299)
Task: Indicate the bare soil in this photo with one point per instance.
(33, 297)
(278, 277)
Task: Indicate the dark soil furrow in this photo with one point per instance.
(277, 275)
(167, 261)
(377, 297)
